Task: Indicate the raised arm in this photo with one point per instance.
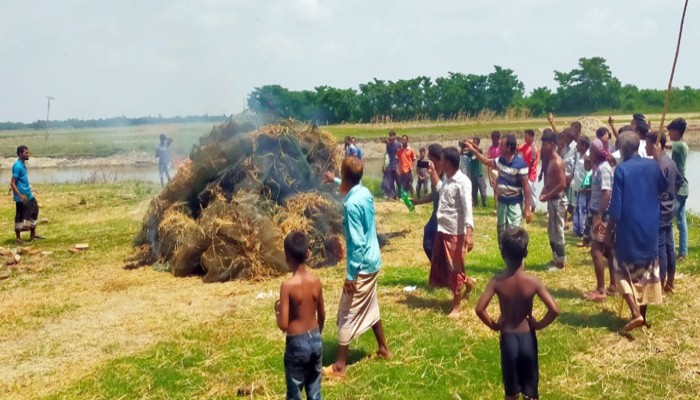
(483, 303)
(550, 119)
(611, 122)
(489, 162)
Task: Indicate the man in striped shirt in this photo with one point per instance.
(513, 186)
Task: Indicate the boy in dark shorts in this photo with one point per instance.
(515, 290)
(300, 313)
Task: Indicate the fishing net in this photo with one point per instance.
(225, 213)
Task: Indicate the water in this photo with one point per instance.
(373, 168)
(88, 174)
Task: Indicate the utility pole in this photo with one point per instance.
(48, 109)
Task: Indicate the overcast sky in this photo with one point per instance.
(138, 58)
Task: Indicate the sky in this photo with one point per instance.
(101, 59)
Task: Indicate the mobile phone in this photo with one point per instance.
(423, 164)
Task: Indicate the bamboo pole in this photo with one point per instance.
(673, 70)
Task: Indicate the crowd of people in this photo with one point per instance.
(607, 187)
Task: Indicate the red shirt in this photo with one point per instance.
(406, 158)
(494, 152)
(529, 153)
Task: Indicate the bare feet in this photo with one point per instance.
(385, 354)
(595, 296)
(469, 285)
(611, 290)
(454, 313)
(669, 289)
(634, 323)
(333, 372)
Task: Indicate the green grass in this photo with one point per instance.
(239, 350)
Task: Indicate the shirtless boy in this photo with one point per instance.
(515, 290)
(300, 313)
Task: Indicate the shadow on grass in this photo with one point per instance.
(606, 319)
(385, 238)
(401, 281)
(415, 302)
(330, 350)
(566, 294)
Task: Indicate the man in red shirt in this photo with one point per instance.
(406, 158)
(529, 152)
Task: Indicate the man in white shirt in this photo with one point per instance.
(455, 228)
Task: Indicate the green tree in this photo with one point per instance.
(504, 89)
(590, 87)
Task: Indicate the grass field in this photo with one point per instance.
(102, 142)
(78, 326)
(454, 129)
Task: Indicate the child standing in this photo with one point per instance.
(300, 313)
(422, 175)
(515, 290)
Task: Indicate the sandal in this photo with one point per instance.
(633, 324)
(595, 296)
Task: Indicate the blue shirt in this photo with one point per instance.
(351, 151)
(360, 233)
(19, 173)
(510, 184)
(634, 206)
(391, 149)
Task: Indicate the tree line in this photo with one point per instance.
(587, 89)
(111, 122)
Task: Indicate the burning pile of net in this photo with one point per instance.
(226, 212)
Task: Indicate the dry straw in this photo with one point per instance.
(225, 213)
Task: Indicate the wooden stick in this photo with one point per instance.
(673, 70)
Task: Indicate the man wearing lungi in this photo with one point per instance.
(554, 195)
(26, 207)
(634, 225)
(455, 228)
(359, 308)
